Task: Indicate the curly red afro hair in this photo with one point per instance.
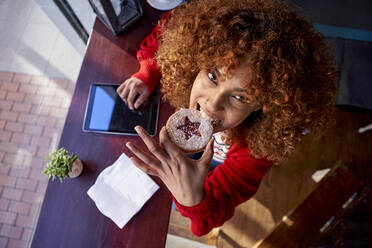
(294, 79)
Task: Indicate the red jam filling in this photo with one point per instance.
(190, 128)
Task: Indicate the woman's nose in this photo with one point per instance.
(216, 102)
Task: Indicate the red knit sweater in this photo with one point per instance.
(231, 183)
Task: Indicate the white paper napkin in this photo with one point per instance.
(121, 190)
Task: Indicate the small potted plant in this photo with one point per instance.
(60, 164)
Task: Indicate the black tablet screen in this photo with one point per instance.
(107, 113)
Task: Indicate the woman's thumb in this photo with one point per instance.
(208, 154)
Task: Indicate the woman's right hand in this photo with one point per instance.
(183, 176)
(130, 89)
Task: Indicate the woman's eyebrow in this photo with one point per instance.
(240, 90)
(218, 72)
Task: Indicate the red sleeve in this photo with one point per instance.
(149, 71)
(231, 183)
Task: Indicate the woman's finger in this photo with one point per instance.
(144, 167)
(121, 87)
(143, 95)
(173, 151)
(142, 155)
(208, 152)
(123, 91)
(153, 147)
(207, 156)
(132, 95)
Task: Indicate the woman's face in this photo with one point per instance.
(225, 101)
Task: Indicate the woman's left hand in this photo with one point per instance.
(183, 176)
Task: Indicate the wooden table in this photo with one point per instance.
(68, 217)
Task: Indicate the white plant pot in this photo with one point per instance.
(76, 169)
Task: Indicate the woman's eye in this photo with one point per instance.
(212, 77)
(240, 98)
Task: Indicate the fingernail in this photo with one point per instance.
(129, 145)
(137, 128)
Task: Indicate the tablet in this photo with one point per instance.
(107, 113)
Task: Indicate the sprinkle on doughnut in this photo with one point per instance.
(189, 130)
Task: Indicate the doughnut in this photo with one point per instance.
(189, 130)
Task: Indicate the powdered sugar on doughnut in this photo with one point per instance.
(195, 142)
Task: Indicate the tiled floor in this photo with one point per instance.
(32, 114)
(30, 43)
(38, 68)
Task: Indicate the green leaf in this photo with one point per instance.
(59, 164)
